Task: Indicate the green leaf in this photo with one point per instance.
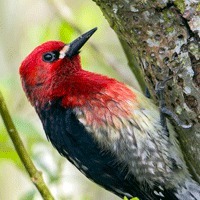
(134, 198)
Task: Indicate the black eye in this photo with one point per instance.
(50, 56)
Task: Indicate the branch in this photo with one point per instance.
(35, 175)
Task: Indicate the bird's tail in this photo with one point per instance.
(189, 190)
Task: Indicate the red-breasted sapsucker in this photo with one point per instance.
(108, 130)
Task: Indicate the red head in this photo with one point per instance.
(49, 66)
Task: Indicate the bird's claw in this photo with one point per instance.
(180, 123)
(160, 86)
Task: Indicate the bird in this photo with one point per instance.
(108, 130)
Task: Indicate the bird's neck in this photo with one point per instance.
(82, 87)
(72, 91)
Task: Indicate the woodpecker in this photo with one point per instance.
(108, 130)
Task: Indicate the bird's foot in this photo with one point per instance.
(160, 86)
(165, 110)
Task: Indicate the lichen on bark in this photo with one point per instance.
(164, 38)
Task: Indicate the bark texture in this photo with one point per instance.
(164, 38)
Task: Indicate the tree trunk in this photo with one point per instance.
(163, 37)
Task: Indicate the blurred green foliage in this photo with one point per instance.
(135, 198)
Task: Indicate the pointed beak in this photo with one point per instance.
(69, 50)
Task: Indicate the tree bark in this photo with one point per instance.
(164, 39)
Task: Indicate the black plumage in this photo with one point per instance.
(72, 141)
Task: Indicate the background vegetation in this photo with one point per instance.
(25, 24)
